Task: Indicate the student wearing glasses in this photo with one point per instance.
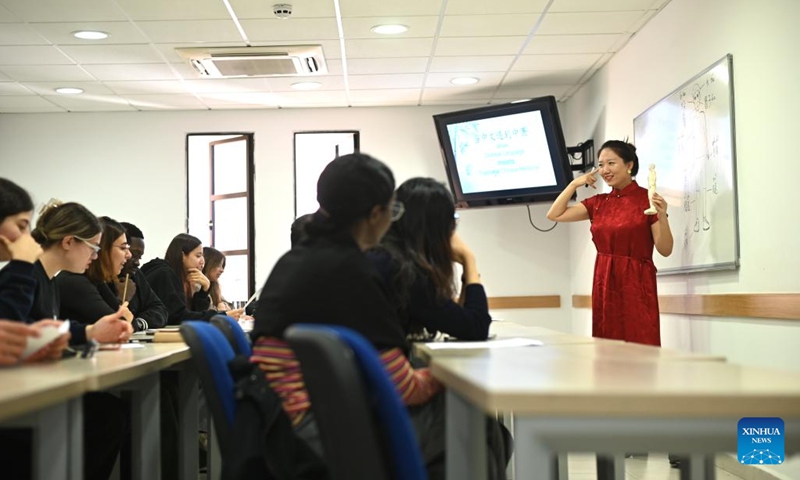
(69, 235)
(328, 279)
(99, 292)
(416, 258)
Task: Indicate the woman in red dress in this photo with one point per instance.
(624, 296)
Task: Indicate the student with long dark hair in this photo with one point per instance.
(328, 279)
(17, 283)
(214, 268)
(99, 291)
(179, 282)
(416, 257)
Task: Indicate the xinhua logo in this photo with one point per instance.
(761, 441)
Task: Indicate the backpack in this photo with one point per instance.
(262, 443)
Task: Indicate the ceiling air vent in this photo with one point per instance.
(273, 61)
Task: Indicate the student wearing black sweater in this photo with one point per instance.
(17, 284)
(416, 260)
(99, 291)
(179, 282)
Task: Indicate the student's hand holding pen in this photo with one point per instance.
(112, 328)
(126, 313)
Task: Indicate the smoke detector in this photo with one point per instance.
(282, 10)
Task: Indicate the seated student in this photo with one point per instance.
(298, 230)
(214, 267)
(416, 258)
(98, 292)
(328, 279)
(69, 235)
(179, 282)
(17, 285)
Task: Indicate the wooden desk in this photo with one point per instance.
(595, 402)
(50, 394)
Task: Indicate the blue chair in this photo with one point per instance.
(211, 353)
(364, 426)
(234, 333)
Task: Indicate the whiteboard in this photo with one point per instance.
(689, 136)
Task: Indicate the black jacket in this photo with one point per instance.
(169, 288)
(17, 290)
(87, 301)
(47, 304)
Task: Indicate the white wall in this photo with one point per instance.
(682, 40)
(132, 167)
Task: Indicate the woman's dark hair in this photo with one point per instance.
(181, 245)
(13, 199)
(102, 270)
(419, 242)
(58, 220)
(347, 191)
(624, 150)
(298, 229)
(214, 258)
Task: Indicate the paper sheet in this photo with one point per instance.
(46, 335)
(505, 343)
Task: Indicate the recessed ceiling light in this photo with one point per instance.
(389, 29)
(464, 81)
(90, 35)
(69, 90)
(306, 85)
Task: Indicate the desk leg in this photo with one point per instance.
(188, 391)
(146, 427)
(533, 458)
(611, 467)
(465, 442)
(698, 467)
(51, 448)
(75, 442)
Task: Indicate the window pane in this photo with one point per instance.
(233, 283)
(230, 167)
(313, 152)
(230, 224)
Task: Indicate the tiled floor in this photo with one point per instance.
(651, 467)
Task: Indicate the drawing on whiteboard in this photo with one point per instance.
(689, 136)
(702, 152)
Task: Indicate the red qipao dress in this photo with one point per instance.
(624, 296)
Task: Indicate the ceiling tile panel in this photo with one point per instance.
(165, 102)
(360, 27)
(7, 17)
(174, 9)
(384, 97)
(191, 31)
(556, 62)
(61, 33)
(387, 8)
(46, 73)
(23, 101)
(148, 87)
(114, 54)
(488, 25)
(520, 91)
(589, 23)
(473, 7)
(310, 99)
(19, 34)
(274, 30)
(64, 11)
(388, 48)
(552, 44)
(93, 103)
(376, 82)
(144, 71)
(375, 66)
(604, 6)
(12, 88)
(472, 92)
(228, 85)
(499, 63)
(32, 56)
(479, 46)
